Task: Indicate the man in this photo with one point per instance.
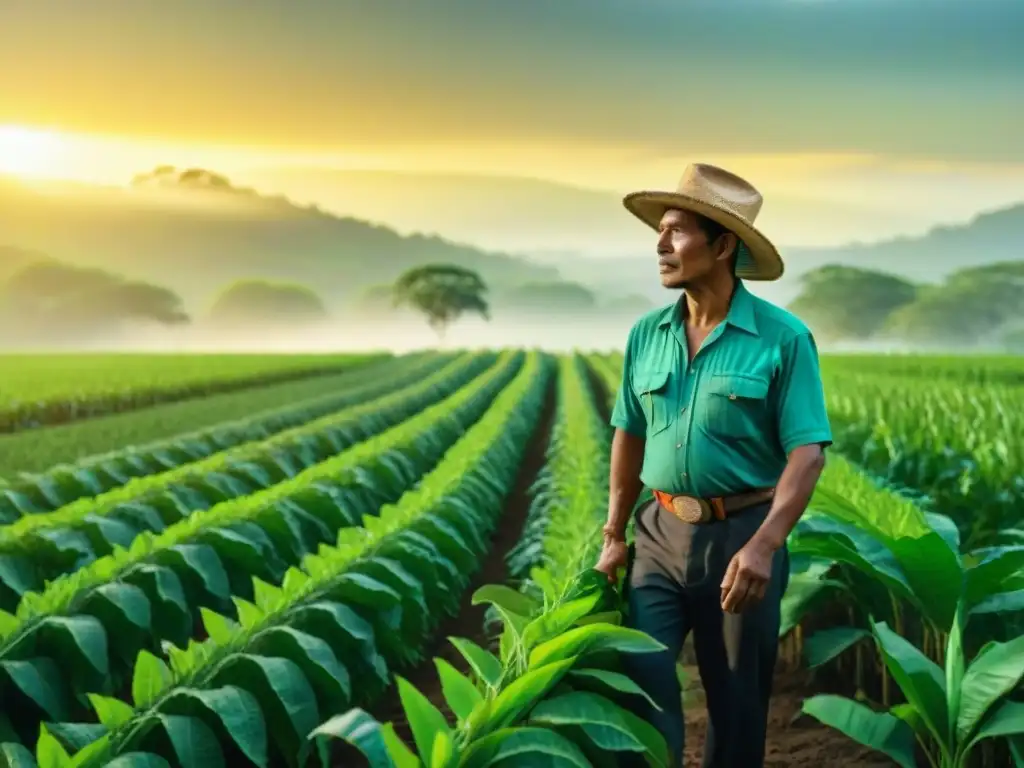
(721, 414)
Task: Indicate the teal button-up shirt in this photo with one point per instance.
(726, 422)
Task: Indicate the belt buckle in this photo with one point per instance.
(691, 510)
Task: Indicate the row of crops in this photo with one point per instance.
(43, 390)
(247, 592)
(245, 606)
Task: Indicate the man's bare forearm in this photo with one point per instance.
(792, 494)
(624, 484)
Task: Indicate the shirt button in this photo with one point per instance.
(679, 445)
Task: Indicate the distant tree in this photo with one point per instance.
(971, 307)
(52, 301)
(841, 302)
(442, 292)
(255, 302)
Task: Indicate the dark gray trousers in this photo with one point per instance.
(673, 588)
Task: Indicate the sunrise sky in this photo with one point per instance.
(892, 114)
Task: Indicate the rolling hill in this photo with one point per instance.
(196, 232)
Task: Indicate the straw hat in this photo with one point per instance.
(723, 197)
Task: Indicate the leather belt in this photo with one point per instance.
(694, 509)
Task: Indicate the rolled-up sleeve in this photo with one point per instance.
(627, 414)
(802, 414)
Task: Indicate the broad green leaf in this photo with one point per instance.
(49, 751)
(40, 679)
(398, 749)
(314, 657)
(613, 680)
(443, 750)
(824, 645)
(218, 627)
(459, 691)
(231, 712)
(425, 720)
(13, 755)
(137, 760)
(1000, 603)
(599, 718)
(18, 575)
(880, 731)
(76, 736)
(920, 679)
(348, 632)
(361, 731)
(1006, 719)
(283, 693)
(193, 742)
(78, 640)
(484, 664)
(110, 711)
(987, 576)
(249, 615)
(507, 598)
(593, 637)
(554, 622)
(151, 677)
(524, 746)
(993, 673)
(517, 697)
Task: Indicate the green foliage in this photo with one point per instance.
(971, 307)
(849, 303)
(443, 293)
(49, 301)
(261, 303)
(323, 637)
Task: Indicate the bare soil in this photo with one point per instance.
(794, 740)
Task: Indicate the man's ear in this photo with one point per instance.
(726, 246)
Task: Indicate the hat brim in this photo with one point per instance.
(761, 260)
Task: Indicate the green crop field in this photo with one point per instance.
(386, 560)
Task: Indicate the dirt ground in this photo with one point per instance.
(792, 743)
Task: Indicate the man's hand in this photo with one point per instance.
(746, 578)
(614, 555)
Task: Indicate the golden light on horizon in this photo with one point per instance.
(31, 153)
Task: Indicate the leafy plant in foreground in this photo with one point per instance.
(550, 698)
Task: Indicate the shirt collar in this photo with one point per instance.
(740, 314)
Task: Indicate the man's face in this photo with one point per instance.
(684, 254)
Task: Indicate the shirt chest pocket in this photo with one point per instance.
(652, 390)
(736, 405)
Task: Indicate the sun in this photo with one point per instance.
(30, 152)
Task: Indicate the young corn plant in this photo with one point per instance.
(552, 697)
